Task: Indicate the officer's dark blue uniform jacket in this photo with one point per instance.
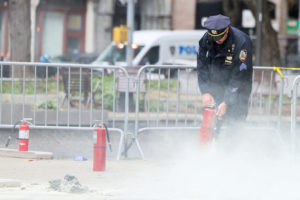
(225, 71)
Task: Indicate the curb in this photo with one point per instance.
(13, 153)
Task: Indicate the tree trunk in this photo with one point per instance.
(232, 9)
(19, 32)
(270, 55)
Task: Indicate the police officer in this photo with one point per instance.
(224, 68)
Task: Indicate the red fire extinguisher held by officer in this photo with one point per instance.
(208, 125)
(100, 135)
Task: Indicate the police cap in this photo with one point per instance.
(216, 26)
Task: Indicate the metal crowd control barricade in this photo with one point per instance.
(176, 103)
(286, 81)
(37, 90)
(173, 99)
(268, 85)
(294, 115)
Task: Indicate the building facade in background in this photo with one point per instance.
(61, 27)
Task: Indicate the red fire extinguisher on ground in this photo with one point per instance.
(23, 135)
(207, 125)
(100, 135)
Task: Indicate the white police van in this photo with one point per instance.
(155, 47)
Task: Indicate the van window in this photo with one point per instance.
(112, 54)
(151, 56)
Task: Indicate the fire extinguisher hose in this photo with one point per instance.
(12, 132)
(108, 138)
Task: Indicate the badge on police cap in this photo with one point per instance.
(229, 58)
(243, 55)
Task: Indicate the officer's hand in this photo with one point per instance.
(207, 100)
(221, 110)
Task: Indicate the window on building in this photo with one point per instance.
(205, 9)
(52, 37)
(60, 27)
(74, 23)
(60, 3)
(73, 46)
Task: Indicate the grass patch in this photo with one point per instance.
(51, 104)
(17, 87)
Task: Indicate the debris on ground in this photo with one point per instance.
(69, 184)
(80, 158)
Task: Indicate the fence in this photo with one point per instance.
(172, 99)
(62, 96)
(294, 114)
(70, 96)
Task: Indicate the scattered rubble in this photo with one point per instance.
(69, 184)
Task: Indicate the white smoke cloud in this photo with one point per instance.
(251, 164)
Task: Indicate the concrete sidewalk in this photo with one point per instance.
(9, 183)
(13, 153)
(28, 179)
(254, 165)
(188, 178)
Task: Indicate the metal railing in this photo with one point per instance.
(294, 114)
(167, 112)
(62, 96)
(82, 94)
(172, 99)
(268, 84)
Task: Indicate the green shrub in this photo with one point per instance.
(52, 105)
